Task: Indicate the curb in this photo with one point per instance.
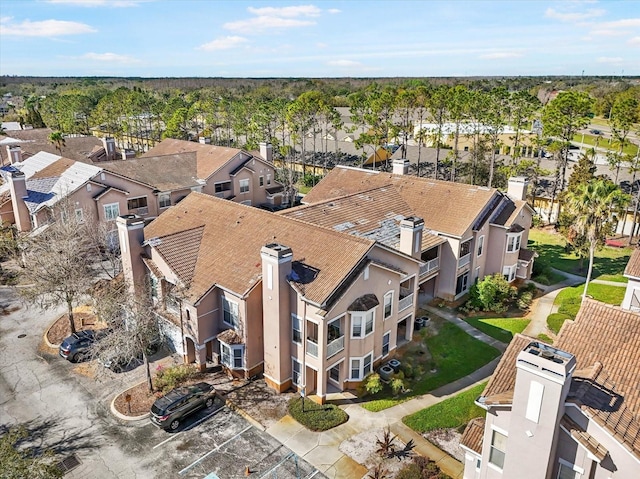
(121, 416)
(46, 341)
(234, 407)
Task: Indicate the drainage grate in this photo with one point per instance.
(68, 463)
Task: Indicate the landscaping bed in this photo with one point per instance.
(83, 318)
(438, 355)
(316, 417)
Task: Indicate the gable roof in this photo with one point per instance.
(36, 140)
(231, 236)
(164, 173)
(373, 214)
(605, 340)
(209, 158)
(445, 206)
(633, 266)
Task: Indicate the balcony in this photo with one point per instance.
(465, 260)
(335, 346)
(429, 266)
(405, 302)
(139, 211)
(312, 348)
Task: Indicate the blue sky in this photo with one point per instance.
(318, 38)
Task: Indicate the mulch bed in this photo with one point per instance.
(141, 400)
(82, 320)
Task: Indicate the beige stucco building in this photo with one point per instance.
(262, 293)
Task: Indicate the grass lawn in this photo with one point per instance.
(454, 354)
(501, 329)
(303, 189)
(605, 143)
(551, 250)
(453, 412)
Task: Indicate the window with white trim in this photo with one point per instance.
(296, 372)
(261, 179)
(223, 186)
(111, 211)
(388, 305)
(566, 471)
(465, 248)
(480, 245)
(509, 272)
(462, 283)
(135, 203)
(244, 186)
(360, 367)
(232, 356)
(79, 215)
(230, 312)
(385, 343)
(164, 200)
(361, 324)
(513, 242)
(498, 449)
(296, 329)
(268, 179)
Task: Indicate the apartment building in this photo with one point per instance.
(567, 411)
(468, 231)
(307, 306)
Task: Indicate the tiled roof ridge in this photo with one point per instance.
(341, 197)
(178, 232)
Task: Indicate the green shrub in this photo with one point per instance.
(172, 377)
(397, 385)
(556, 320)
(524, 301)
(407, 369)
(495, 293)
(316, 417)
(373, 383)
(422, 468)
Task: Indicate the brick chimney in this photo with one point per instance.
(401, 167)
(109, 144)
(131, 237)
(18, 188)
(517, 188)
(276, 314)
(266, 151)
(14, 154)
(411, 236)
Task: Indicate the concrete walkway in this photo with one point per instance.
(321, 449)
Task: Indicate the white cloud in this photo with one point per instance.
(500, 55)
(344, 63)
(624, 23)
(44, 28)
(321, 45)
(109, 57)
(610, 60)
(99, 3)
(289, 12)
(634, 41)
(333, 11)
(223, 43)
(264, 23)
(605, 32)
(574, 16)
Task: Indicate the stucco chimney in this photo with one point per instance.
(18, 188)
(517, 189)
(401, 167)
(14, 154)
(266, 151)
(543, 378)
(128, 154)
(276, 314)
(131, 237)
(109, 144)
(204, 140)
(411, 236)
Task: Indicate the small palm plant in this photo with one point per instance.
(386, 447)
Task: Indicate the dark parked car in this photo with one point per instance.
(168, 411)
(77, 347)
(595, 132)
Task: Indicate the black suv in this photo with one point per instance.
(170, 409)
(77, 347)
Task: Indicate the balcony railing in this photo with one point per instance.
(405, 302)
(312, 348)
(140, 211)
(335, 346)
(429, 266)
(465, 260)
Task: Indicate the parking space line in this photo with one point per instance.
(198, 461)
(199, 421)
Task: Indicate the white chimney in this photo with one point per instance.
(266, 151)
(128, 154)
(14, 154)
(401, 167)
(411, 236)
(517, 189)
(204, 140)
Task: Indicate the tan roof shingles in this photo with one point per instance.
(165, 173)
(633, 266)
(54, 170)
(232, 236)
(209, 158)
(473, 435)
(600, 333)
(444, 206)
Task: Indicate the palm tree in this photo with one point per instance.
(57, 140)
(594, 204)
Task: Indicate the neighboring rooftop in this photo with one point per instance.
(209, 241)
(444, 206)
(633, 266)
(36, 140)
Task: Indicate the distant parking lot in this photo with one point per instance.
(215, 441)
